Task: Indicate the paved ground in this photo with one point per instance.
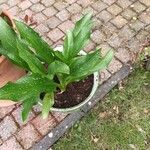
(122, 25)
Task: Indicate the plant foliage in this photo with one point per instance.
(24, 47)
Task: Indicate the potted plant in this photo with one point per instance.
(61, 80)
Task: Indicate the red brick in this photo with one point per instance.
(14, 10)
(60, 5)
(25, 4)
(42, 29)
(138, 7)
(17, 115)
(109, 2)
(53, 22)
(27, 136)
(104, 16)
(74, 8)
(146, 2)
(128, 13)
(11, 144)
(104, 75)
(63, 15)
(98, 37)
(99, 6)
(104, 48)
(4, 6)
(114, 66)
(123, 55)
(48, 2)
(89, 9)
(70, 1)
(50, 11)
(85, 3)
(7, 127)
(37, 7)
(124, 3)
(145, 17)
(119, 21)
(76, 17)
(39, 17)
(59, 116)
(67, 25)
(89, 46)
(44, 125)
(55, 34)
(114, 9)
(13, 2)
(3, 1)
(35, 1)
(6, 110)
(115, 41)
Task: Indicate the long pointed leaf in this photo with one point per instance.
(58, 67)
(42, 49)
(25, 87)
(27, 106)
(33, 62)
(48, 102)
(8, 45)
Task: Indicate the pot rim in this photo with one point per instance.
(94, 88)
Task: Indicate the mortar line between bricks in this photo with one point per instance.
(71, 119)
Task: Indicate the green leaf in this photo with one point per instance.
(104, 62)
(58, 67)
(41, 48)
(82, 38)
(27, 106)
(33, 62)
(59, 56)
(8, 45)
(68, 45)
(77, 38)
(81, 66)
(25, 87)
(82, 23)
(48, 102)
(85, 65)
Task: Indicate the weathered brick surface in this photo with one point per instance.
(119, 24)
(27, 136)
(55, 35)
(25, 4)
(114, 9)
(98, 36)
(50, 11)
(138, 7)
(6, 110)
(66, 25)
(63, 15)
(44, 125)
(114, 66)
(104, 16)
(17, 115)
(7, 127)
(74, 8)
(11, 144)
(119, 21)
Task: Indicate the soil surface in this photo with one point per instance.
(75, 93)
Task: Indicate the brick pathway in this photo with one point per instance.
(122, 25)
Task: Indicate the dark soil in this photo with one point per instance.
(75, 93)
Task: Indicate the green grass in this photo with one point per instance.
(120, 122)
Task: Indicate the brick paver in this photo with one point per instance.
(7, 127)
(27, 136)
(119, 24)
